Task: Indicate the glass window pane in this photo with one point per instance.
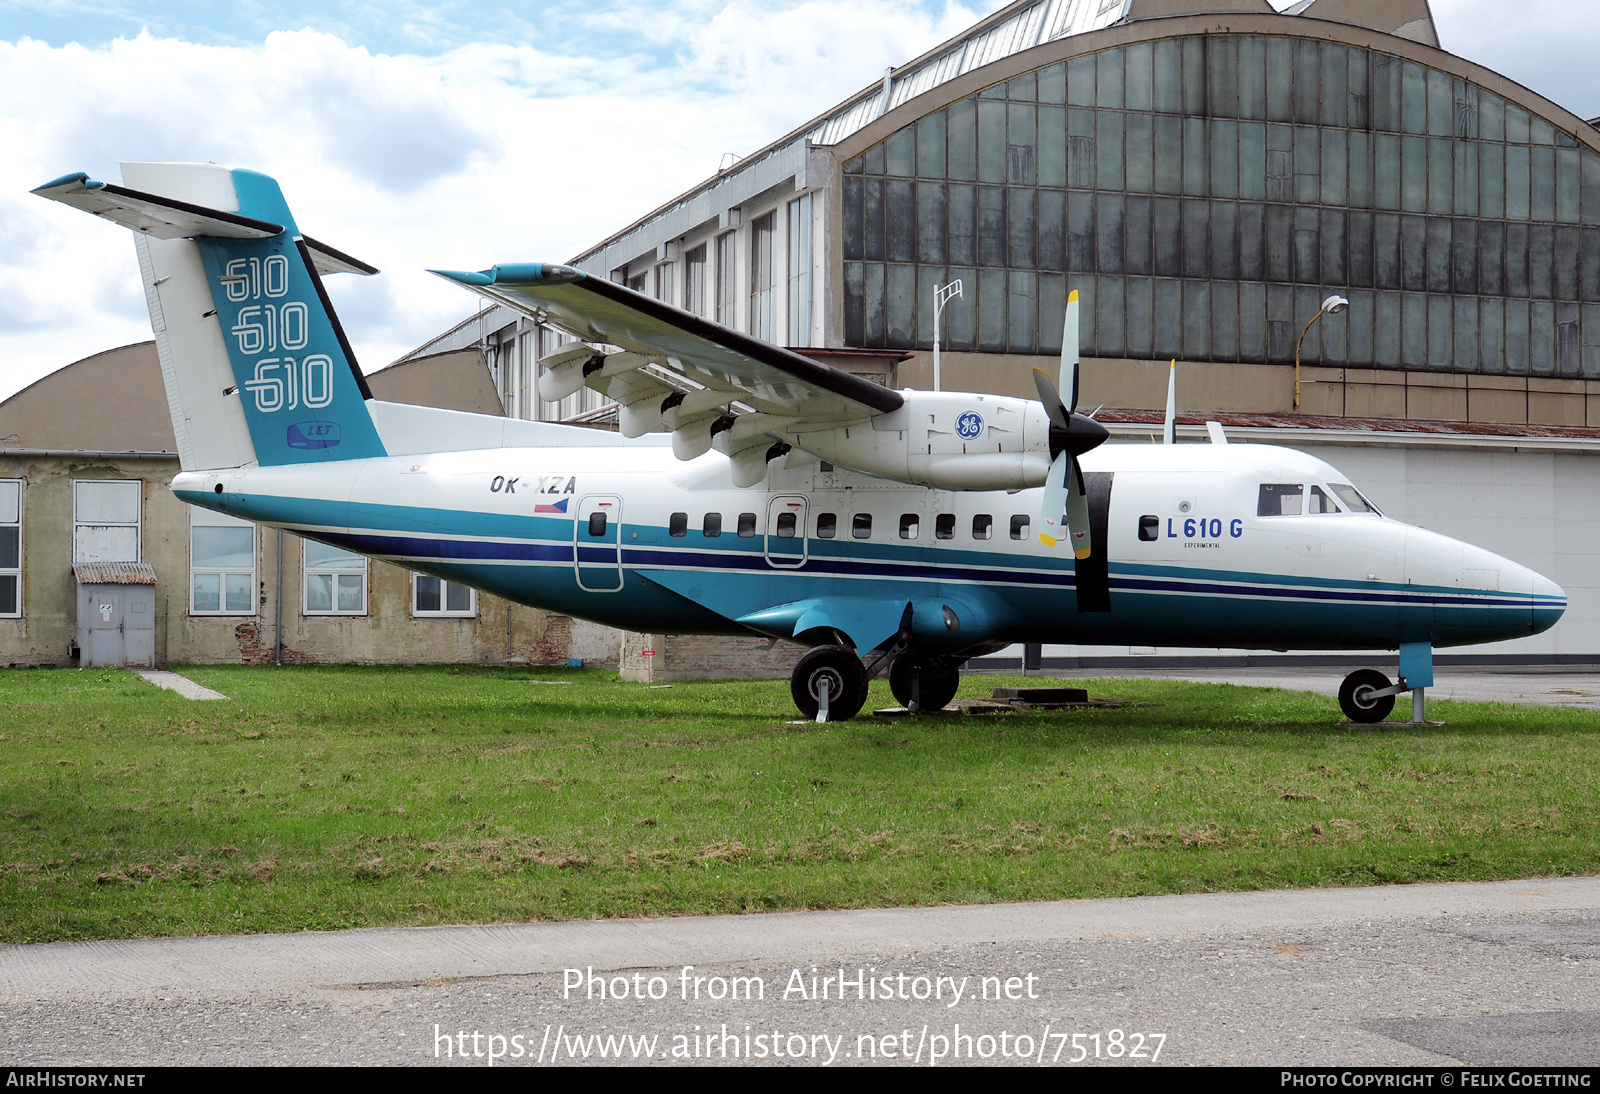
(1053, 83)
(1516, 125)
(786, 525)
(991, 226)
(1441, 104)
(1360, 170)
(10, 547)
(1108, 149)
(930, 146)
(1252, 161)
(827, 525)
(1335, 84)
(1385, 171)
(861, 526)
(8, 595)
(1441, 176)
(747, 525)
(1492, 335)
(1222, 63)
(963, 140)
(1052, 230)
(1139, 75)
(1438, 255)
(711, 526)
(910, 525)
(1169, 164)
(1491, 117)
(991, 141)
(1413, 98)
(1108, 81)
(1517, 193)
(428, 590)
(1136, 235)
(207, 592)
(1080, 80)
(678, 524)
(1414, 330)
(1023, 312)
(1052, 149)
(1021, 225)
(322, 556)
(350, 587)
(982, 526)
(901, 151)
(1019, 526)
(1542, 183)
(1541, 252)
(1021, 143)
(10, 502)
(457, 598)
(319, 592)
(237, 593)
(1140, 310)
(1414, 174)
(1168, 98)
(216, 548)
(107, 502)
(1567, 185)
(1441, 332)
(1252, 78)
(1138, 140)
(105, 543)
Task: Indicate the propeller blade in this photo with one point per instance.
(1077, 512)
(1169, 430)
(1069, 353)
(1051, 400)
(1052, 511)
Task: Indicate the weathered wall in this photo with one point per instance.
(660, 659)
(500, 633)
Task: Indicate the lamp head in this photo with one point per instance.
(1334, 305)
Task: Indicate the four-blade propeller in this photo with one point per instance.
(1071, 435)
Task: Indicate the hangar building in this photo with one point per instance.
(1205, 173)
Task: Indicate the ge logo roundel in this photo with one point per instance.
(969, 426)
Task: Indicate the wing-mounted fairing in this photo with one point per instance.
(710, 386)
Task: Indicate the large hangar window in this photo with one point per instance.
(1203, 194)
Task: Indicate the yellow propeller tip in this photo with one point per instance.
(1081, 552)
(1046, 540)
(1072, 297)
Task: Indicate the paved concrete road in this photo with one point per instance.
(1540, 686)
(1500, 972)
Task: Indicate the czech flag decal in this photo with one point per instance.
(559, 507)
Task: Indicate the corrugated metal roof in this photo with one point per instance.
(114, 573)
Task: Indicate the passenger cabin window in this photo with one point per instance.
(678, 524)
(597, 524)
(861, 526)
(1150, 528)
(1320, 502)
(1352, 498)
(1019, 526)
(944, 526)
(982, 526)
(1280, 499)
(910, 525)
(827, 525)
(747, 525)
(711, 527)
(786, 523)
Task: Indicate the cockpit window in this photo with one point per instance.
(1280, 499)
(1352, 498)
(1321, 503)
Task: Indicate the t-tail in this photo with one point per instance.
(256, 366)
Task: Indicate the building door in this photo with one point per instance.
(101, 606)
(597, 547)
(786, 532)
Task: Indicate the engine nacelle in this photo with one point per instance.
(950, 440)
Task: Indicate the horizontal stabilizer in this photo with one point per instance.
(168, 218)
(152, 214)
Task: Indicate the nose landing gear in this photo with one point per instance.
(829, 684)
(1366, 696)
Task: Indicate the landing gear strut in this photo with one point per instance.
(829, 684)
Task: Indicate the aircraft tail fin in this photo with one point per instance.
(256, 366)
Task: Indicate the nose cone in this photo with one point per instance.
(1549, 603)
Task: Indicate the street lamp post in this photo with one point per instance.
(941, 297)
(1331, 306)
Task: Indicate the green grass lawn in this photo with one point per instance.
(344, 796)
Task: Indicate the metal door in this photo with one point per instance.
(101, 606)
(597, 543)
(786, 531)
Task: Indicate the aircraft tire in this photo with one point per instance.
(1355, 701)
(936, 688)
(847, 682)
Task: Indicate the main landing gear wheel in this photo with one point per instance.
(928, 685)
(1358, 702)
(836, 669)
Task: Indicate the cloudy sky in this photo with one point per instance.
(464, 133)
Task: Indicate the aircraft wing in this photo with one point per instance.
(655, 353)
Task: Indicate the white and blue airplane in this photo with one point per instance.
(752, 490)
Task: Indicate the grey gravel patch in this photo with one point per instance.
(1569, 938)
(180, 684)
(1568, 1038)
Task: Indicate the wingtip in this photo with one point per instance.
(464, 277)
(81, 178)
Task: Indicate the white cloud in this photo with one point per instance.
(486, 153)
